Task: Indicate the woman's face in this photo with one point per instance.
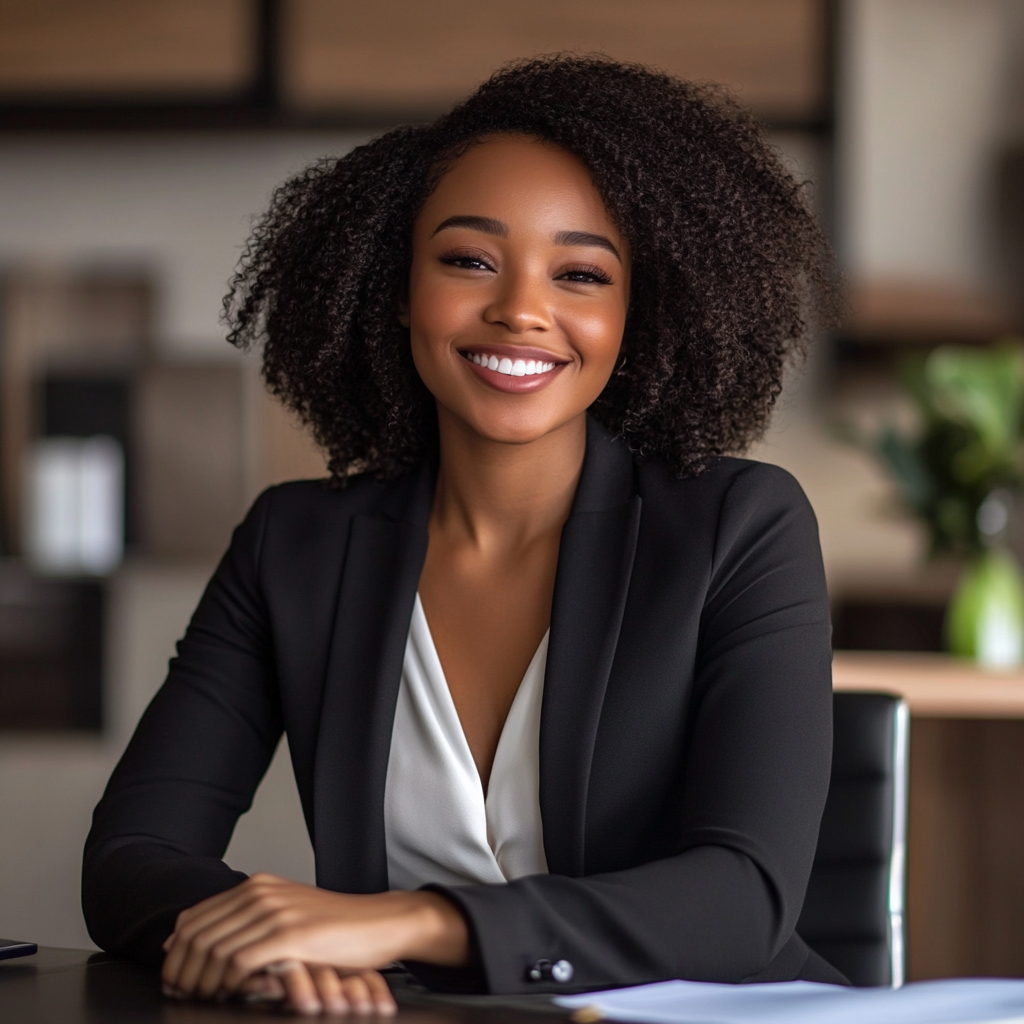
(518, 290)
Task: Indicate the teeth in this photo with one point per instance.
(517, 368)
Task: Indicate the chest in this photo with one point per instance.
(487, 614)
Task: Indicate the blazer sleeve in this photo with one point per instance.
(758, 762)
(192, 767)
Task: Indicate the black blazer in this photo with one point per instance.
(685, 736)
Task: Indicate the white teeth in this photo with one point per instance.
(512, 368)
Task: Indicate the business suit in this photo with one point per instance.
(685, 736)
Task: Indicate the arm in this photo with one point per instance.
(757, 771)
(191, 768)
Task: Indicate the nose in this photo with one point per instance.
(520, 303)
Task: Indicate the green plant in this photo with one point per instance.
(968, 442)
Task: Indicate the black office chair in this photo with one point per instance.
(853, 913)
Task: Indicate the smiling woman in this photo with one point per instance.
(554, 669)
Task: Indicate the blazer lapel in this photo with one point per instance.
(383, 563)
(595, 561)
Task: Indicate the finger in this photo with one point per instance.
(216, 906)
(380, 993)
(180, 943)
(216, 957)
(357, 992)
(298, 986)
(257, 952)
(329, 988)
(262, 988)
(188, 965)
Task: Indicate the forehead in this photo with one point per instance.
(516, 178)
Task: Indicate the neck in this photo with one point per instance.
(503, 496)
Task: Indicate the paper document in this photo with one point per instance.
(950, 1001)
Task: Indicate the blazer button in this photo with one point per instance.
(562, 970)
(545, 970)
(539, 971)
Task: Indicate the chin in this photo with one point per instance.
(516, 426)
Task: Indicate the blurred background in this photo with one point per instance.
(139, 138)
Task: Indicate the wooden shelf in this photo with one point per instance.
(933, 685)
(887, 311)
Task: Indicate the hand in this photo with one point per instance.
(312, 988)
(220, 943)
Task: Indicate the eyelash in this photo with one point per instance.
(586, 274)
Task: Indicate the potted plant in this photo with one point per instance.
(957, 473)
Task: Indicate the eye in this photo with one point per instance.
(466, 261)
(585, 275)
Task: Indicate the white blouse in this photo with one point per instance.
(438, 825)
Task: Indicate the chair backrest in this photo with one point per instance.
(853, 912)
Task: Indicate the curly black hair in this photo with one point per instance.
(729, 267)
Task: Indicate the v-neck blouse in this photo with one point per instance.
(439, 827)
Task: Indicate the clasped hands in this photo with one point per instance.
(319, 951)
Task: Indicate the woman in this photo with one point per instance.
(555, 673)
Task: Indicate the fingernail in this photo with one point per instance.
(364, 1008)
(309, 1006)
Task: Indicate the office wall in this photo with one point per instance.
(178, 206)
(930, 89)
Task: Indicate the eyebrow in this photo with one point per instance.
(489, 225)
(587, 238)
(493, 226)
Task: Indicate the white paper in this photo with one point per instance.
(949, 1001)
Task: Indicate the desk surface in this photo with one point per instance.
(73, 986)
(933, 685)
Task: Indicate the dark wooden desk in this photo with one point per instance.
(74, 986)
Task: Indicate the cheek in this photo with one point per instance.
(597, 335)
(438, 306)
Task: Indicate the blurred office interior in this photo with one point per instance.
(138, 139)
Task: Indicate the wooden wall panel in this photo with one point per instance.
(190, 439)
(965, 899)
(126, 46)
(408, 55)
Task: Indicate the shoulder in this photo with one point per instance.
(307, 515)
(740, 514)
(303, 498)
(730, 487)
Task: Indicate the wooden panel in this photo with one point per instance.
(965, 900)
(111, 46)
(191, 459)
(933, 685)
(412, 56)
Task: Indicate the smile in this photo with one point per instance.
(514, 369)
(509, 367)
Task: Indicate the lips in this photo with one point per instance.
(513, 370)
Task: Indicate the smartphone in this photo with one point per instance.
(10, 948)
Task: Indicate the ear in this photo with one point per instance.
(403, 313)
